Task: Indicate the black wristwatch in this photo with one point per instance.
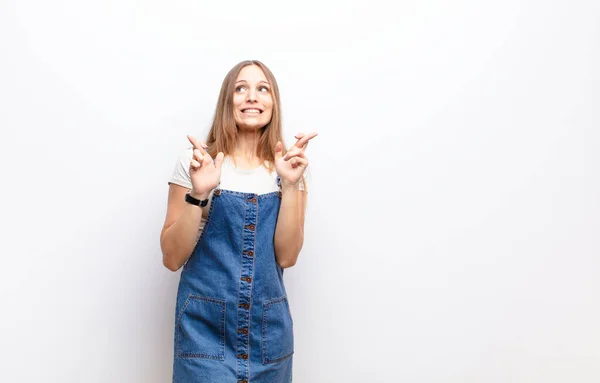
(194, 201)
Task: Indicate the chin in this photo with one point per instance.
(246, 125)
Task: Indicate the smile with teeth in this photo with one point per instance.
(251, 111)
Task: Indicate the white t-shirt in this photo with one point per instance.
(258, 180)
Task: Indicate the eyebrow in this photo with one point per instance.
(260, 82)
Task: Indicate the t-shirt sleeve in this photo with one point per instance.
(181, 172)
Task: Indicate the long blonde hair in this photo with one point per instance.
(223, 133)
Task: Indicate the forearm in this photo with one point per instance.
(289, 233)
(178, 241)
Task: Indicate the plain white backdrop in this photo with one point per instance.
(453, 227)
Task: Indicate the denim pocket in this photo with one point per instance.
(201, 328)
(277, 331)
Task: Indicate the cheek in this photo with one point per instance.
(268, 110)
(268, 103)
(238, 100)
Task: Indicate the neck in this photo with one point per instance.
(247, 145)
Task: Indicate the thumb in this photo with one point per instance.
(278, 150)
(219, 160)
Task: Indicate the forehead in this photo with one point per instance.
(251, 73)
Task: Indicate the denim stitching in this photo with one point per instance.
(266, 306)
(264, 334)
(199, 241)
(252, 287)
(244, 194)
(221, 303)
(237, 311)
(185, 304)
(271, 361)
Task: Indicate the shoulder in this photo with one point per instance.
(186, 155)
(181, 172)
(185, 158)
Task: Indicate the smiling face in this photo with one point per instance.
(252, 99)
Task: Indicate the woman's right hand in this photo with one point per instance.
(205, 174)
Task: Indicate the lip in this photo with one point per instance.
(260, 111)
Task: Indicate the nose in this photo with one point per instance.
(251, 95)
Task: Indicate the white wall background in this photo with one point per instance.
(454, 215)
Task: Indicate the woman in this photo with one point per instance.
(235, 220)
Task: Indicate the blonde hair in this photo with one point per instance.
(223, 133)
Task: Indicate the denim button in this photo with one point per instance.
(249, 253)
(247, 279)
(243, 356)
(245, 306)
(242, 381)
(250, 227)
(217, 192)
(243, 331)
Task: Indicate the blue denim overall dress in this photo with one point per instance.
(233, 323)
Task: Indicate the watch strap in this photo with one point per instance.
(194, 201)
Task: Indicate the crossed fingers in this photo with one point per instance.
(297, 150)
(200, 156)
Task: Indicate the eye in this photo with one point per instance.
(240, 88)
(263, 88)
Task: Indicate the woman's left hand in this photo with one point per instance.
(290, 167)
